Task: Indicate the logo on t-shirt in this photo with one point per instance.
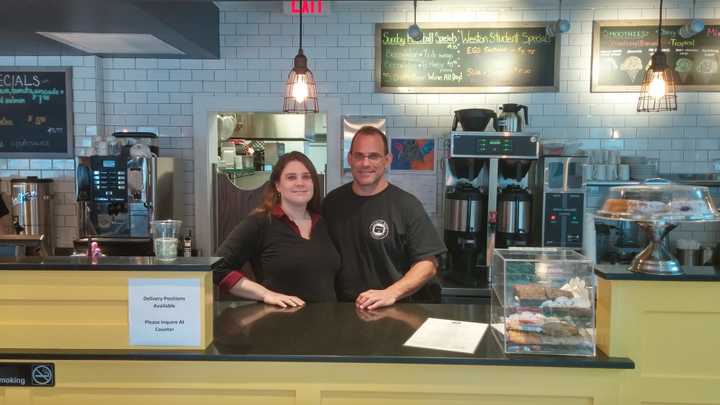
(378, 229)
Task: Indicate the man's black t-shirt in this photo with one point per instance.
(379, 237)
(282, 260)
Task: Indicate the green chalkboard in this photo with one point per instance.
(622, 52)
(35, 113)
(466, 58)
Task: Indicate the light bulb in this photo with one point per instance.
(300, 89)
(415, 32)
(657, 86)
(691, 28)
(557, 27)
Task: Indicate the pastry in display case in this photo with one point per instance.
(543, 301)
(658, 206)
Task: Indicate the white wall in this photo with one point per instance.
(258, 43)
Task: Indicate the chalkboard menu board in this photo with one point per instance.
(35, 113)
(466, 58)
(622, 52)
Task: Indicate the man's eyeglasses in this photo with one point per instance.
(372, 157)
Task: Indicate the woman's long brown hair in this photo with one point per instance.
(271, 197)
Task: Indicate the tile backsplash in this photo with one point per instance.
(258, 42)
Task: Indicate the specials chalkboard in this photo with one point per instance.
(622, 51)
(36, 113)
(466, 58)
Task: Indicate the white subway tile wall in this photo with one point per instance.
(258, 43)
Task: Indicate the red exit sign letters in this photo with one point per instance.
(306, 7)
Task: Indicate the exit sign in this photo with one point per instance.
(307, 7)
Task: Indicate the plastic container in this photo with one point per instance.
(165, 238)
(543, 301)
(659, 200)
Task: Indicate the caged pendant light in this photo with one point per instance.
(300, 89)
(658, 91)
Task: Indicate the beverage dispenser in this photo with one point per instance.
(32, 210)
(118, 196)
(488, 180)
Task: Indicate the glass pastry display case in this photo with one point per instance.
(543, 301)
(658, 206)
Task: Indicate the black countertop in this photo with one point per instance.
(115, 263)
(330, 332)
(620, 272)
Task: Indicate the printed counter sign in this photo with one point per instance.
(35, 113)
(27, 375)
(164, 312)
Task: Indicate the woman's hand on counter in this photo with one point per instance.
(249, 289)
(282, 300)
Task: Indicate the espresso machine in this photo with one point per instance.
(119, 195)
(489, 180)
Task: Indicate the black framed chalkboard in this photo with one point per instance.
(622, 50)
(36, 112)
(511, 57)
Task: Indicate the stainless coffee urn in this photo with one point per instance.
(32, 210)
(514, 209)
(465, 214)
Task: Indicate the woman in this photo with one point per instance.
(285, 240)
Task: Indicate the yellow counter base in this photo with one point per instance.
(210, 383)
(671, 330)
(81, 309)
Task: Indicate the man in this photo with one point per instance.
(387, 242)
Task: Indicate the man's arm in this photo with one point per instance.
(419, 274)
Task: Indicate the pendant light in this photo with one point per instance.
(560, 26)
(693, 27)
(414, 30)
(658, 92)
(300, 89)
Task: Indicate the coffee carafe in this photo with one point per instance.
(514, 209)
(510, 119)
(465, 213)
(474, 119)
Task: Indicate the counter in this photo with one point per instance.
(322, 354)
(336, 333)
(657, 337)
(79, 303)
(669, 326)
(690, 273)
(109, 263)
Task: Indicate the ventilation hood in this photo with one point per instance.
(181, 29)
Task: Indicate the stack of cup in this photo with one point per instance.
(604, 165)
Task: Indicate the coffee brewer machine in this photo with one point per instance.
(118, 196)
(489, 177)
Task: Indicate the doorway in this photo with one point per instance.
(205, 147)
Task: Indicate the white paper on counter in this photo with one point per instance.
(164, 312)
(449, 335)
(499, 327)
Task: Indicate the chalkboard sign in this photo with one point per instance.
(466, 58)
(622, 51)
(35, 113)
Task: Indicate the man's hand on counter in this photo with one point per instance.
(373, 299)
(402, 314)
